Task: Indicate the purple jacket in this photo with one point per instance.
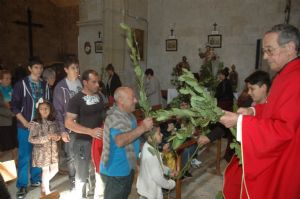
(61, 97)
(22, 101)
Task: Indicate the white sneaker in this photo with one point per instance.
(196, 163)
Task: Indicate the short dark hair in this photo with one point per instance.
(34, 61)
(287, 33)
(259, 78)
(110, 67)
(69, 60)
(86, 74)
(4, 72)
(224, 71)
(149, 71)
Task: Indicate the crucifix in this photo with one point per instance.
(287, 11)
(215, 26)
(172, 30)
(30, 25)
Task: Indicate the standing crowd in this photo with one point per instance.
(92, 130)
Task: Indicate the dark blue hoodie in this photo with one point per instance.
(22, 101)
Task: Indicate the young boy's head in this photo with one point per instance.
(71, 67)
(149, 73)
(154, 134)
(258, 84)
(35, 67)
(5, 77)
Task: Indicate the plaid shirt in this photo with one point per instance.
(37, 91)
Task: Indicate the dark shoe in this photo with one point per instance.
(72, 184)
(21, 193)
(188, 174)
(36, 184)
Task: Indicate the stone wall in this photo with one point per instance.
(57, 37)
(241, 23)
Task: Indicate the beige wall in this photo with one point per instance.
(241, 23)
(57, 38)
(106, 16)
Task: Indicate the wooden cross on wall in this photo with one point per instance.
(30, 25)
(215, 26)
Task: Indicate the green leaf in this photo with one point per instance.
(219, 195)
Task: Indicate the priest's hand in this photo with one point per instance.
(229, 119)
(245, 111)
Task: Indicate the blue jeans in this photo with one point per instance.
(25, 161)
(117, 186)
(187, 153)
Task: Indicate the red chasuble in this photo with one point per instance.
(270, 144)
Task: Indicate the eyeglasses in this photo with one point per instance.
(269, 51)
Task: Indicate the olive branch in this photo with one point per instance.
(203, 110)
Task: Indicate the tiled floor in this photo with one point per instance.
(203, 184)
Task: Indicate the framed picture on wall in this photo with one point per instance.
(171, 45)
(98, 47)
(215, 41)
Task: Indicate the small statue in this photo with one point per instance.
(177, 71)
(183, 64)
(208, 55)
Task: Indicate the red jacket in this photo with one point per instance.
(271, 144)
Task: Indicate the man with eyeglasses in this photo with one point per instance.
(270, 133)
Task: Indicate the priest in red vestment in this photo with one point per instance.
(270, 134)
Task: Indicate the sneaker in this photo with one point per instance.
(196, 162)
(72, 184)
(21, 193)
(188, 174)
(36, 184)
(194, 166)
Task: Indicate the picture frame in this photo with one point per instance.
(98, 47)
(171, 45)
(215, 41)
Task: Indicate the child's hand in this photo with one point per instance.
(53, 136)
(173, 173)
(65, 137)
(29, 124)
(57, 138)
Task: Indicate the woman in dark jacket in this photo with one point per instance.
(113, 81)
(224, 93)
